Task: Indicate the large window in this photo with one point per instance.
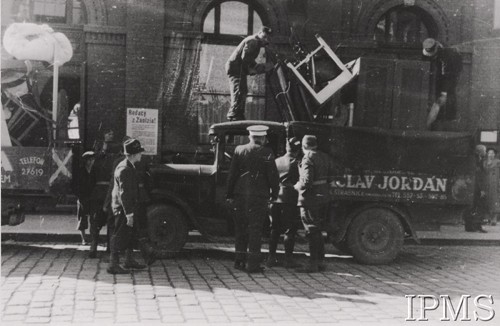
(49, 11)
(224, 27)
(404, 26)
(232, 18)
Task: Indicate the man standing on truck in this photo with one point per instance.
(252, 180)
(285, 214)
(124, 204)
(315, 175)
(242, 63)
(447, 66)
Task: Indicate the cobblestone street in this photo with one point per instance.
(56, 283)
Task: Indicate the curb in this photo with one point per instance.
(75, 238)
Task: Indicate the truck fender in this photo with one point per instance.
(401, 213)
(170, 197)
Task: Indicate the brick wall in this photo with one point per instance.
(105, 80)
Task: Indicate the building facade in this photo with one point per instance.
(169, 55)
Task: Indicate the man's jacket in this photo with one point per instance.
(448, 69)
(243, 57)
(125, 194)
(288, 170)
(253, 172)
(315, 174)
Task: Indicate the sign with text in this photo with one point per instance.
(36, 168)
(403, 186)
(142, 124)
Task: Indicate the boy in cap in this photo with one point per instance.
(315, 175)
(285, 214)
(242, 63)
(124, 203)
(447, 66)
(252, 180)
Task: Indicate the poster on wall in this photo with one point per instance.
(142, 124)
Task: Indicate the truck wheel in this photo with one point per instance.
(375, 236)
(167, 230)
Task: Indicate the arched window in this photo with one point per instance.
(232, 18)
(405, 26)
(49, 11)
(225, 25)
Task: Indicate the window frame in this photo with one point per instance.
(424, 18)
(216, 36)
(68, 16)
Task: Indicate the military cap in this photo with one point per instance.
(132, 146)
(294, 143)
(309, 141)
(267, 30)
(257, 130)
(88, 154)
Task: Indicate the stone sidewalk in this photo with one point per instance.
(55, 283)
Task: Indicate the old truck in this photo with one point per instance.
(387, 185)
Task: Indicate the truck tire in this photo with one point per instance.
(167, 229)
(375, 236)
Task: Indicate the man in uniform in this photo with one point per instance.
(242, 63)
(252, 179)
(124, 205)
(447, 66)
(315, 174)
(285, 214)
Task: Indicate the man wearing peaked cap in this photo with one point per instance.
(252, 180)
(315, 174)
(285, 217)
(124, 204)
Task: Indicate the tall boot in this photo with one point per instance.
(312, 266)
(321, 252)
(254, 263)
(93, 248)
(289, 243)
(130, 263)
(273, 245)
(114, 264)
(94, 239)
(147, 251)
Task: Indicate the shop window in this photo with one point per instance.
(404, 26)
(49, 11)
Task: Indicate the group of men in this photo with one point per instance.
(291, 185)
(114, 194)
